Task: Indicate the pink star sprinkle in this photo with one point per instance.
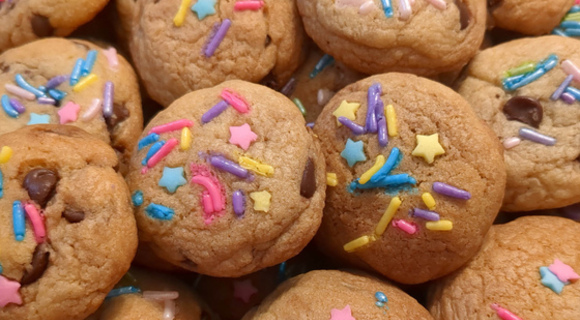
(9, 292)
(563, 271)
(344, 314)
(244, 290)
(69, 113)
(242, 136)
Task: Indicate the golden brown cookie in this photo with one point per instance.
(528, 17)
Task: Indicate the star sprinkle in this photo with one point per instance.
(242, 136)
(563, 271)
(344, 314)
(261, 200)
(428, 147)
(172, 179)
(9, 292)
(347, 110)
(36, 118)
(353, 152)
(204, 8)
(69, 113)
(244, 290)
(551, 281)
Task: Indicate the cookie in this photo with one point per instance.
(333, 294)
(228, 180)
(40, 83)
(537, 123)
(528, 17)
(181, 45)
(413, 200)
(26, 21)
(67, 233)
(425, 38)
(527, 268)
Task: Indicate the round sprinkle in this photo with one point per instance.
(451, 191)
(535, 136)
(381, 297)
(137, 198)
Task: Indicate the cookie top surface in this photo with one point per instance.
(528, 17)
(430, 41)
(332, 294)
(438, 142)
(262, 162)
(172, 60)
(58, 186)
(539, 176)
(42, 62)
(507, 272)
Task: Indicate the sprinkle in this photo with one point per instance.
(207, 203)
(439, 4)
(300, 106)
(354, 127)
(137, 198)
(26, 86)
(9, 292)
(76, 72)
(46, 100)
(89, 63)
(511, 142)
(160, 212)
(282, 272)
(441, 225)
(216, 39)
(373, 100)
(56, 81)
(248, 5)
(504, 314)
(573, 92)
(451, 191)
(347, 110)
(535, 136)
(568, 98)
(186, 139)
(556, 95)
(256, 166)
(18, 222)
(551, 281)
(85, 82)
(172, 179)
(43, 89)
(515, 82)
(57, 94)
(239, 203)
(289, 87)
(153, 150)
(391, 120)
(406, 226)
(180, 16)
(331, 179)
(164, 151)
(388, 216)
(324, 62)
(428, 200)
(8, 108)
(572, 32)
(356, 244)
(17, 91)
(353, 152)
(521, 69)
(149, 139)
(242, 136)
(381, 297)
(5, 154)
(244, 290)
(323, 96)
(169, 310)
(1, 185)
(224, 164)
(310, 125)
(428, 147)
(69, 112)
(365, 177)
(382, 134)
(392, 162)
(235, 100)
(121, 291)
(261, 200)
(37, 222)
(425, 214)
(570, 24)
(571, 69)
(160, 295)
(204, 8)
(387, 8)
(563, 271)
(214, 191)
(366, 7)
(404, 9)
(16, 105)
(559, 32)
(112, 58)
(214, 111)
(172, 126)
(108, 96)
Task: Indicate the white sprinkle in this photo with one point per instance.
(160, 295)
(94, 109)
(404, 9)
(20, 92)
(324, 96)
(169, 311)
(366, 8)
(511, 142)
(112, 58)
(439, 4)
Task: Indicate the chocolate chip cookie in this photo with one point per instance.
(528, 17)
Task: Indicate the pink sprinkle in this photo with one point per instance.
(511, 142)
(144, 170)
(570, 68)
(577, 2)
(235, 100)
(17, 91)
(171, 126)
(404, 9)
(207, 203)
(248, 5)
(366, 8)
(160, 295)
(406, 226)
(112, 58)
(213, 190)
(504, 314)
(439, 4)
(94, 109)
(162, 153)
(37, 222)
(169, 311)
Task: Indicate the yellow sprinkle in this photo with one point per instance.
(180, 16)
(428, 200)
(391, 120)
(186, 137)
(428, 147)
(357, 243)
(441, 225)
(379, 162)
(261, 200)
(85, 82)
(347, 110)
(331, 179)
(5, 154)
(388, 216)
(256, 166)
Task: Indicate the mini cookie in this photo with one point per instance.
(527, 269)
(183, 45)
(336, 295)
(26, 21)
(528, 17)
(424, 37)
(228, 180)
(526, 91)
(71, 82)
(414, 199)
(67, 232)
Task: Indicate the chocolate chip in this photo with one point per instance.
(73, 216)
(464, 14)
(4, 67)
(120, 114)
(37, 266)
(308, 184)
(270, 82)
(268, 40)
(524, 109)
(41, 26)
(40, 184)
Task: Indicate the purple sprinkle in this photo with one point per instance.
(568, 98)
(556, 95)
(535, 136)
(214, 111)
(310, 125)
(373, 97)
(451, 191)
(216, 39)
(383, 137)
(354, 127)
(239, 203)
(224, 164)
(56, 81)
(46, 100)
(19, 107)
(108, 94)
(425, 214)
(289, 87)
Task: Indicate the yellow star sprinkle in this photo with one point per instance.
(347, 110)
(261, 200)
(5, 154)
(428, 147)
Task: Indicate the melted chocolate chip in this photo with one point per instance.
(464, 14)
(73, 216)
(38, 265)
(268, 40)
(308, 184)
(41, 26)
(524, 109)
(40, 184)
(120, 114)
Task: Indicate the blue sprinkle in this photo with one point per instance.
(137, 198)
(160, 212)
(384, 182)
(121, 291)
(549, 63)
(282, 272)
(574, 9)
(574, 92)
(76, 72)
(324, 62)
(153, 150)
(1, 268)
(559, 32)
(89, 63)
(1, 185)
(387, 8)
(43, 89)
(572, 32)
(379, 304)
(527, 79)
(513, 83)
(56, 94)
(392, 162)
(381, 297)
(310, 125)
(8, 108)
(18, 222)
(149, 139)
(26, 86)
(570, 24)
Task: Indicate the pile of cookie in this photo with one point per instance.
(289, 159)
